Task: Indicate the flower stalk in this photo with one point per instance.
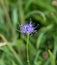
(28, 49)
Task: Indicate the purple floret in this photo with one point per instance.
(27, 28)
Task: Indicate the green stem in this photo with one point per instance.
(15, 54)
(21, 11)
(6, 11)
(11, 49)
(27, 49)
(55, 46)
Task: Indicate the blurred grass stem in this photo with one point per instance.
(6, 10)
(12, 50)
(21, 12)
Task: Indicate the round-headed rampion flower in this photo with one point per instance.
(27, 28)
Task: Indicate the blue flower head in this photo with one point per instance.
(27, 28)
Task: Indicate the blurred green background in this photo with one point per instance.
(42, 44)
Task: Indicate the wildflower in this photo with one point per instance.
(45, 54)
(27, 28)
(54, 2)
